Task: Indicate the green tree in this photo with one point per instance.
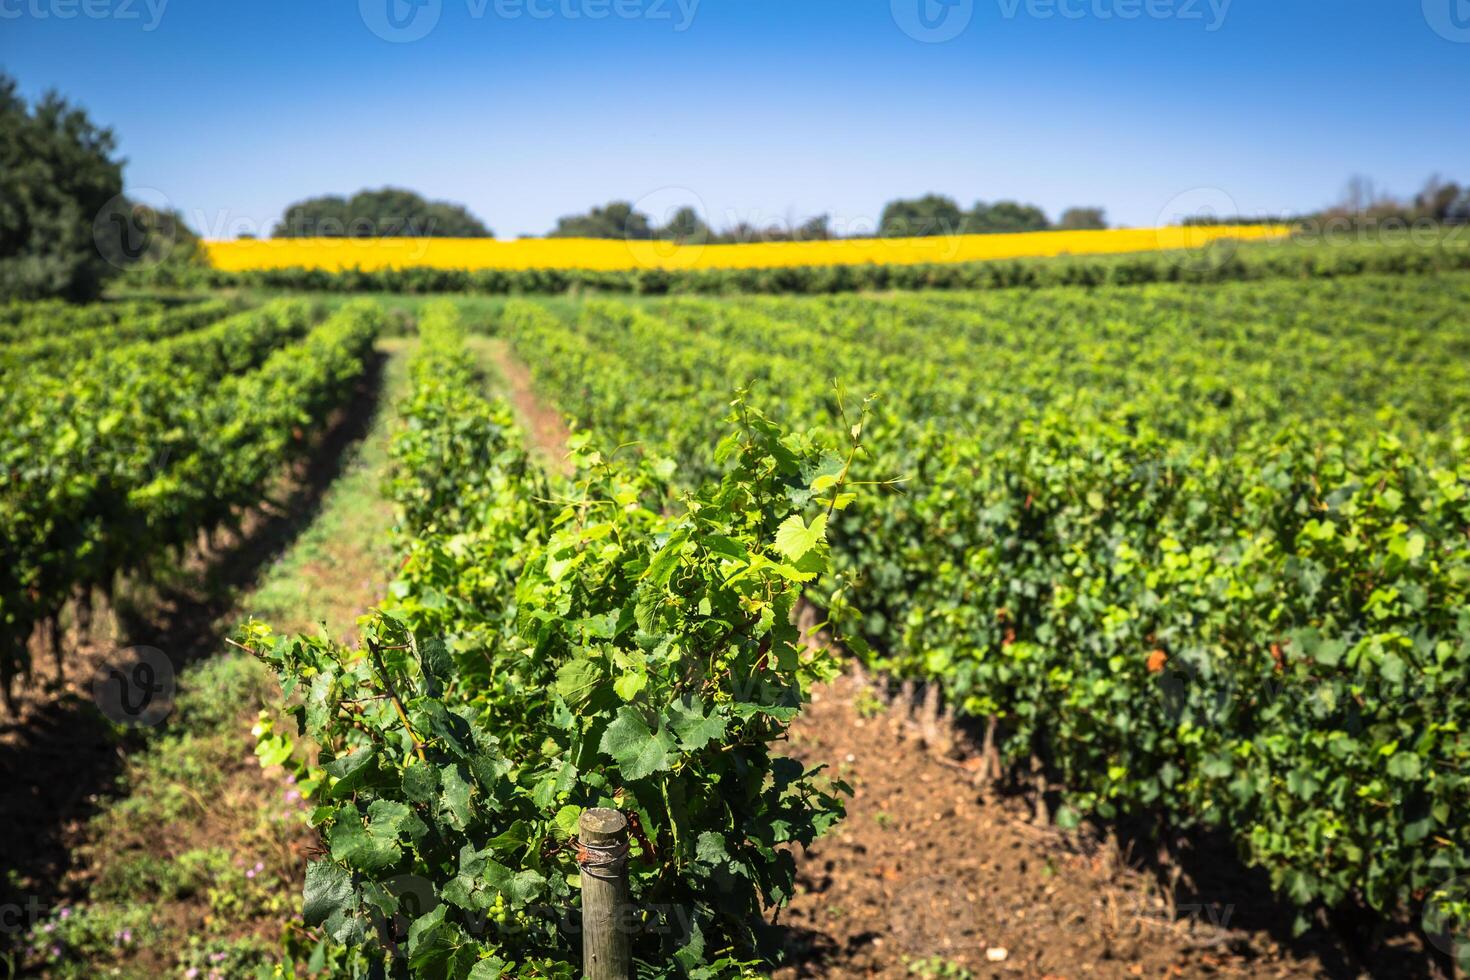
(1458, 212)
(59, 184)
(686, 226)
(1437, 201)
(390, 212)
(818, 229)
(932, 214)
(1004, 216)
(166, 238)
(1083, 219)
(815, 229)
(614, 220)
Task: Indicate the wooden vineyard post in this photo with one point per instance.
(606, 916)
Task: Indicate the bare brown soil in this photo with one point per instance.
(546, 429)
(929, 872)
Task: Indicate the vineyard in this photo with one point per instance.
(665, 490)
(1201, 551)
(1192, 556)
(127, 451)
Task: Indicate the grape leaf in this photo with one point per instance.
(795, 538)
(637, 751)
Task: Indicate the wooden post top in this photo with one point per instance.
(601, 825)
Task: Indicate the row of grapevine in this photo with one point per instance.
(1221, 263)
(70, 350)
(554, 645)
(105, 470)
(1206, 551)
(22, 321)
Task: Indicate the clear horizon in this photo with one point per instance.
(527, 110)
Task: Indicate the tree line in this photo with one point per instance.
(1361, 204)
(390, 212)
(393, 212)
(1439, 201)
(931, 214)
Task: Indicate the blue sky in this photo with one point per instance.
(760, 109)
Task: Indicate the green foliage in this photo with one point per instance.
(617, 219)
(939, 968)
(1205, 550)
(58, 176)
(932, 214)
(1082, 219)
(686, 226)
(56, 349)
(935, 214)
(152, 238)
(46, 320)
(116, 459)
(1004, 217)
(553, 647)
(74, 939)
(387, 213)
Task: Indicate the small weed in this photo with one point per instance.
(939, 968)
(868, 705)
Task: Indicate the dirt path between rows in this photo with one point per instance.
(546, 429)
(932, 875)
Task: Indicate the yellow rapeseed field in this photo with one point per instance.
(610, 255)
